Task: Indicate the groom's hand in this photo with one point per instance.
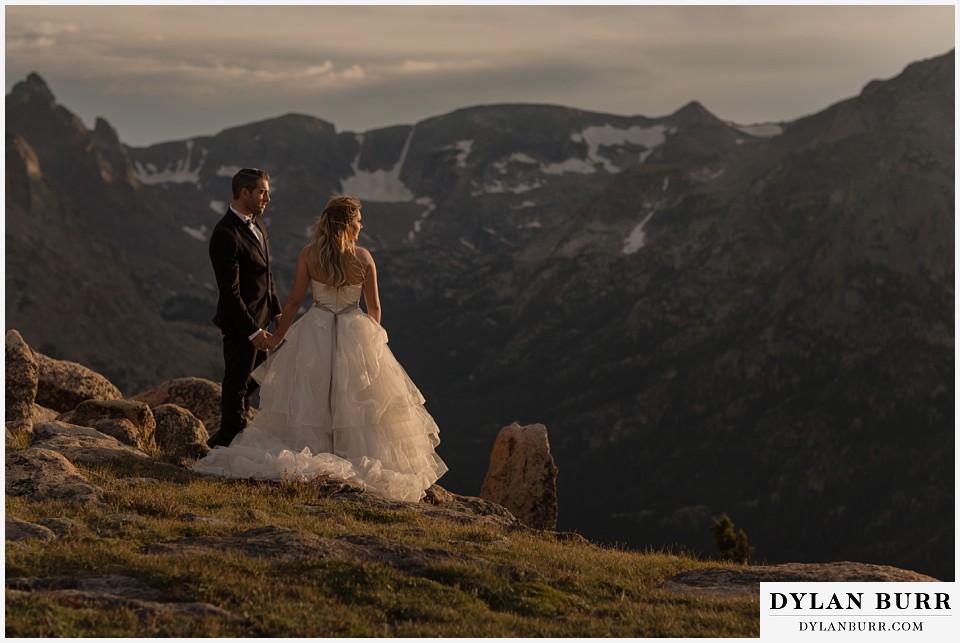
(260, 341)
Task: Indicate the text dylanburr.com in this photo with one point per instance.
(857, 611)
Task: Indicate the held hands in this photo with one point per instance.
(273, 341)
(262, 341)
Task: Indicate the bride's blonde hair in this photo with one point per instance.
(329, 244)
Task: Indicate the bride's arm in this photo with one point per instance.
(371, 295)
(292, 306)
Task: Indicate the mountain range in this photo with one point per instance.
(709, 318)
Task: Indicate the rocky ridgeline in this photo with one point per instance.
(66, 414)
(83, 420)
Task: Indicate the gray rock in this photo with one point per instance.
(62, 385)
(522, 475)
(437, 495)
(17, 529)
(179, 432)
(81, 444)
(129, 421)
(111, 592)
(199, 396)
(42, 474)
(22, 375)
(743, 581)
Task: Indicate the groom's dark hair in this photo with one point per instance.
(248, 178)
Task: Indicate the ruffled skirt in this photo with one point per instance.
(334, 400)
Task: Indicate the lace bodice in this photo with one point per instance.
(336, 298)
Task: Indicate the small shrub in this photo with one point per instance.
(733, 546)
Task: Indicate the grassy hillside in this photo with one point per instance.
(238, 558)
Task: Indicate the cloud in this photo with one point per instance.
(370, 66)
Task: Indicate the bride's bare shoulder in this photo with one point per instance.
(364, 255)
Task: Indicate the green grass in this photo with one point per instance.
(526, 584)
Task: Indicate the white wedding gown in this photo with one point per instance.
(365, 424)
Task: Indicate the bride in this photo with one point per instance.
(334, 400)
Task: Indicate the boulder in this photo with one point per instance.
(22, 376)
(62, 385)
(199, 396)
(82, 445)
(129, 421)
(522, 475)
(179, 433)
(41, 474)
(17, 529)
(43, 414)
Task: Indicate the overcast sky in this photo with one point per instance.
(161, 73)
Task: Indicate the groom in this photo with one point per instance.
(240, 253)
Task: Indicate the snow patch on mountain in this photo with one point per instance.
(149, 174)
(200, 234)
(637, 237)
(218, 206)
(524, 205)
(762, 130)
(228, 170)
(500, 187)
(430, 206)
(464, 148)
(609, 136)
(384, 186)
(600, 136)
(574, 166)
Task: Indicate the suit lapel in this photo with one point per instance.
(257, 221)
(245, 230)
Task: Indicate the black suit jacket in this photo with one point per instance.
(248, 296)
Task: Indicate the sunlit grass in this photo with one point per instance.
(499, 583)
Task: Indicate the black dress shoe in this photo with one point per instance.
(218, 440)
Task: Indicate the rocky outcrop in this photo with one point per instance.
(738, 582)
(22, 376)
(82, 445)
(130, 422)
(522, 475)
(179, 433)
(110, 592)
(63, 385)
(39, 474)
(199, 396)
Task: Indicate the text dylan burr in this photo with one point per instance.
(854, 601)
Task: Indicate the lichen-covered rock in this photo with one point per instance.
(179, 433)
(42, 474)
(199, 396)
(22, 376)
(62, 385)
(522, 475)
(129, 421)
(81, 444)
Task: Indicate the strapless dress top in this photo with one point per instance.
(336, 299)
